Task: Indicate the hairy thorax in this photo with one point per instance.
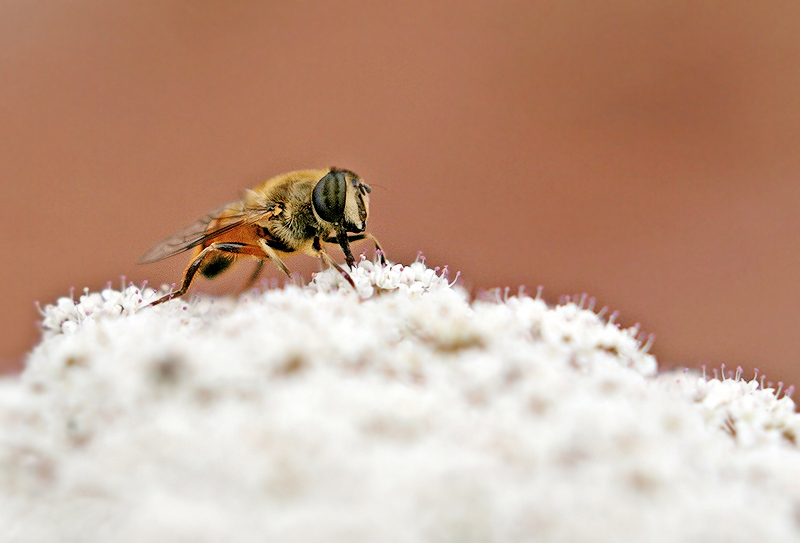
(292, 225)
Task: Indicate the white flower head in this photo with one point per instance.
(398, 411)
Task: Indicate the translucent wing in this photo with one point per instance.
(226, 218)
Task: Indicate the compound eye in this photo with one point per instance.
(329, 197)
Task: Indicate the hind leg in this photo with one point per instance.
(253, 276)
(212, 250)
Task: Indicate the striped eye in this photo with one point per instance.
(329, 197)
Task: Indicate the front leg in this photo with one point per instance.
(358, 237)
(344, 243)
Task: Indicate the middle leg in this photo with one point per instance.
(325, 257)
(254, 275)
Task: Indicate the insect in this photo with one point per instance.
(292, 213)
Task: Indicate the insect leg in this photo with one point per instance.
(325, 257)
(378, 248)
(344, 243)
(359, 237)
(188, 275)
(191, 270)
(353, 237)
(254, 275)
(270, 252)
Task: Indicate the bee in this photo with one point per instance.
(292, 213)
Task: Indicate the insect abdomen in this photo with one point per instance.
(215, 265)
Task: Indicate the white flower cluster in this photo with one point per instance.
(399, 412)
(67, 314)
(754, 415)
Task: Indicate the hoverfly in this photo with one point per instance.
(292, 213)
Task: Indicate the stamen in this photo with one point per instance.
(649, 343)
(458, 274)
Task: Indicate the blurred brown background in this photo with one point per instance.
(643, 152)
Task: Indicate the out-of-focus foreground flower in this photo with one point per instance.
(398, 413)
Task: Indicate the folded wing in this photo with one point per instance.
(213, 225)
